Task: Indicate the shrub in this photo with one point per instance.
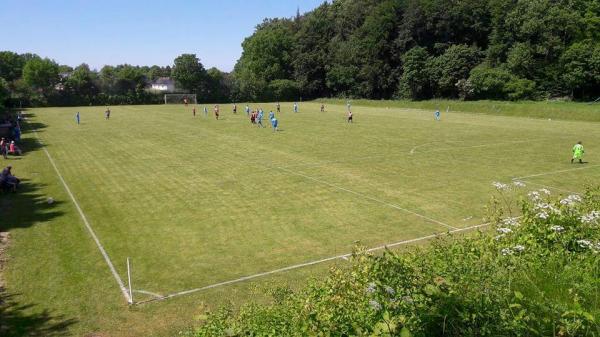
(535, 274)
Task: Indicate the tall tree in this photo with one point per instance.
(41, 74)
(189, 73)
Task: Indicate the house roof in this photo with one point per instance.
(164, 80)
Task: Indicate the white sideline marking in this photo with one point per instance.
(306, 264)
(550, 187)
(148, 293)
(470, 146)
(369, 198)
(554, 172)
(87, 225)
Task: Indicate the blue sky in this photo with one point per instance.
(137, 32)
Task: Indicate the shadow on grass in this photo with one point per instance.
(26, 207)
(18, 319)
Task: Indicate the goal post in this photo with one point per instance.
(180, 98)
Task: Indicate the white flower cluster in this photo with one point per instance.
(510, 222)
(500, 186)
(534, 195)
(519, 184)
(545, 191)
(504, 230)
(519, 248)
(557, 228)
(571, 200)
(544, 209)
(371, 288)
(375, 305)
(511, 251)
(591, 218)
(584, 243)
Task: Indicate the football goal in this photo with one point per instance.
(180, 98)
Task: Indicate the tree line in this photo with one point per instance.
(374, 49)
(30, 80)
(421, 49)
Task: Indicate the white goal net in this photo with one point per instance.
(180, 98)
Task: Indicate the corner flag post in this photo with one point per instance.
(129, 281)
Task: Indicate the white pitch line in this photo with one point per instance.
(148, 293)
(306, 264)
(87, 225)
(554, 172)
(549, 187)
(369, 198)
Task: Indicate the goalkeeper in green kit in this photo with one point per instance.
(578, 152)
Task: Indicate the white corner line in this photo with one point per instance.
(369, 198)
(87, 225)
(310, 263)
(554, 172)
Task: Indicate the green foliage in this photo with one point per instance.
(497, 83)
(4, 92)
(533, 275)
(454, 65)
(415, 81)
(41, 74)
(189, 73)
(11, 65)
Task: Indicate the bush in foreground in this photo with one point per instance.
(533, 275)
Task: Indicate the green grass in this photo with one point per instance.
(195, 201)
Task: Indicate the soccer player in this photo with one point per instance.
(259, 118)
(234, 108)
(271, 115)
(185, 101)
(295, 107)
(107, 113)
(194, 111)
(205, 112)
(253, 117)
(278, 107)
(247, 110)
(322, 107)
(348, 105)
(77, 117)
(274, 123)
(578, 152)
(436, 114)
(350, 117)
(217, 111)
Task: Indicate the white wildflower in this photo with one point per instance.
(584, 243)
(519, 248)
(571, 200)
(542, 215)
(511, 222)
(371, 287)
(557, 228)
(407, 299)
(545, 191)
(390, 290)
(534, 195)
(504, 230)
(519, 184)
(498, 237)
(375, 305)
(500, 186)
(591, 217)
(506, 251)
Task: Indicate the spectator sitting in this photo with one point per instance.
(7, 180)
(14, 149)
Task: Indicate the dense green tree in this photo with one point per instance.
(415, 80)
(41, 74)
(454, 65)
(4, 92)
(189, 73)
(581, 68)
(11, 65)
(82, 81)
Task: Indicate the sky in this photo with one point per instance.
(137, 32)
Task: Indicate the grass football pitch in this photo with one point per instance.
(196, 202)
